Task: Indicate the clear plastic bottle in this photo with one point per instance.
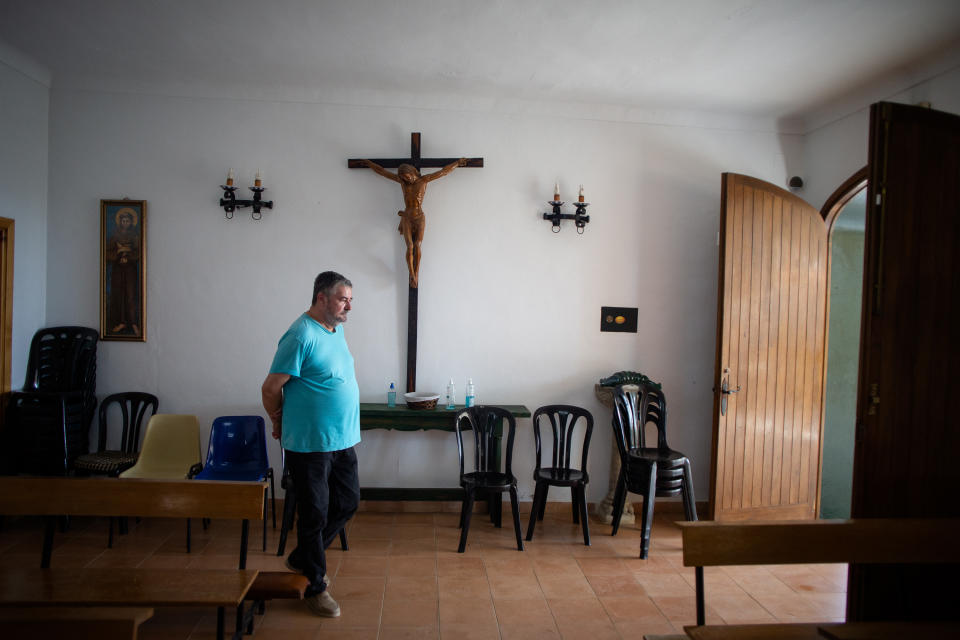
(451, 395)
(470, 394)
(392, 396)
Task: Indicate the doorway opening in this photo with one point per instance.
(845, 214)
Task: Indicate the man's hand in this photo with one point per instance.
(272, 394)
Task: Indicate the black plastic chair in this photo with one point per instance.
(290, 510)
(49, 419)
(563, 421)
(650, 471)
(484, 424)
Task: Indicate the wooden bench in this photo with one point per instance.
(77, 623)
(863, 541)
(119, 497)
(55, 497)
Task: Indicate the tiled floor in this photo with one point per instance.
(402, 578)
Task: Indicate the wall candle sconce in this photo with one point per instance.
(230, 203)
(580, 218)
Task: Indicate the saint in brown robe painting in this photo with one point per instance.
(412, 220)
(123, 256)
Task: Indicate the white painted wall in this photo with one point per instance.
(835, 151)
(24, 102)
(503, 300)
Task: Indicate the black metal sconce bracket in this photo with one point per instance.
(580, 218)
(230, 203)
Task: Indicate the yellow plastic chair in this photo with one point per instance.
(170, 451)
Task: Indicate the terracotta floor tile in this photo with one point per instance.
(401, 588)
(471, 611)
(429, 632)
(616, 587)
(621, 609)
(578, 611)
(463, 587)
(682, 610)
(514, 586)
(360, 612)
(551, 566)
(512, 566)
(603, 567)
(371, 546)
(665, 584)
(523, 612)
(401, 566)
(343, 633)
(559, 587)
(413, 531)
(409, 612)
(402, 578)
(737, 607)
(358, 588)
(414, 547)
(479, 631)
(589, 631)
(362, 567)
(461, 566)
(529, 632)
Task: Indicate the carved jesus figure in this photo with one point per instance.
(412, 220)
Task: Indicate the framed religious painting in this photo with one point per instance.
(123, 272)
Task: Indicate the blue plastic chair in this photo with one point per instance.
(238, 451)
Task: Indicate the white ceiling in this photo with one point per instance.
(778, 59)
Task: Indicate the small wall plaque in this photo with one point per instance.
(622, 319)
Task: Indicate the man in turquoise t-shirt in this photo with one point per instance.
(312, 397)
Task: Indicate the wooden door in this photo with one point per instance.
(907, 454)
(771, 325)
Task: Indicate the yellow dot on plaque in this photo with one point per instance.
(619, 319)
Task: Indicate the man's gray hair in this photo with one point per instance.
(327, 282)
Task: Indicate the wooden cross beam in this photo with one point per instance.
(412, 299)
(414, 159)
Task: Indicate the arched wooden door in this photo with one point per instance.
(770, 366)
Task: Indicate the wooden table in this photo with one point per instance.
(400, 418)
(127, 588)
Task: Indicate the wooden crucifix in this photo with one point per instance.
(412, 221)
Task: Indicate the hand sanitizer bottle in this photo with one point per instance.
(451, 395)
(469, 397)
(392, 396)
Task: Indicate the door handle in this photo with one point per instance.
(725, 391)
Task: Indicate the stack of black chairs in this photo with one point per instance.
(48, 421)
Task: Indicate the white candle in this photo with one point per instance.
(230, 177)
(258, 179)
(556, 191)
(581, 193)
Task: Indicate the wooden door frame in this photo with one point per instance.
(6, 301)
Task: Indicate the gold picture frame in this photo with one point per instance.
(123, 272)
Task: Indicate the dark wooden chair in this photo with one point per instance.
(650, 471)
(563, 421)
(483, 424)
